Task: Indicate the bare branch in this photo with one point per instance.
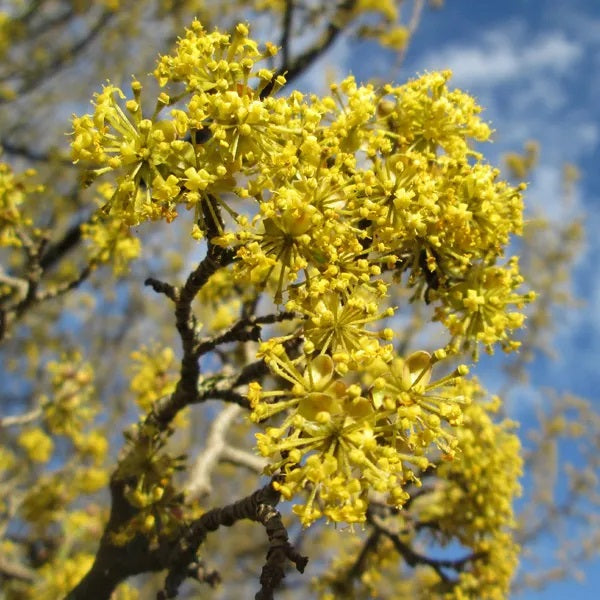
(56, 250)
(62, 59)
(199, 482)
(286, 32)
(22, 419)
(161, 287)
(292, 69)
(259, 507)
(67, 286)
(20, 285)
(413, 24)
(414, 558)
(10, 570)
(32, 155)
(244, 330)
(240, 457)
(335, 27)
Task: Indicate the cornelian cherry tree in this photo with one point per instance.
(278, 378)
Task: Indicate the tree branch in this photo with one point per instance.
(22, 419)
(199, 481)
(414, 558)
(245, 330)
(186, 391)
(12, 570)
(293, 69)
(286, 31)
(34, 80)
(33, 156)
(259, 507)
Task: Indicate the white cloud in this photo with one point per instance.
(506, 54)
(545, 191)
(544, 92)
(584, 23)
(588, 136)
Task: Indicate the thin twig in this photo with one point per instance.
(22, 419)
(293, 69)
(10, 570)
(413, 24)
(63, 58)
(286, 33)
(414, 558)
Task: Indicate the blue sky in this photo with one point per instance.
(535, 67)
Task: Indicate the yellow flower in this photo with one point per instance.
(92, 444)
(14, 191)
(154, 375)
(71, 405)
(396, 38)
(477, 308)
(37, 444)
(339, 444)
(91, 479)
(61, 575)
(111, 241)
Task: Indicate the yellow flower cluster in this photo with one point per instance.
(340, 443)
(521, 165)
(168, 161)
(467, 501)
(154, 375)
(47, 500)
(68, 411)
(38, 445)
(149, 469)
(14, 189)
(5, 38)
(381, 181)
(477, 308)
(337, 325)
(383, 23)
(57, 579)
(220, 301)
(473, 502)
(109, 239)
(332, 191)
(71, 405)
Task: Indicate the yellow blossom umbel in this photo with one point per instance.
(338, 442)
